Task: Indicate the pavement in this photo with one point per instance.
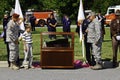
(58, 74)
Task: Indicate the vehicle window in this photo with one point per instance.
(111, 11)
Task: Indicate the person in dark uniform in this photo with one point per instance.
(5, 21)
(78, 27)
(32, 21)
(66, 25)
(115, 35)
(88, 46)
(51, 24)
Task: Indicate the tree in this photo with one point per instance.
(3, 8)
(69, 7)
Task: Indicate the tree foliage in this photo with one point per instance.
(69, 7)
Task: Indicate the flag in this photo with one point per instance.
(19, 11)
(81, 17)
(81, 12)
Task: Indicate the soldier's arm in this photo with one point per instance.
(98, 31)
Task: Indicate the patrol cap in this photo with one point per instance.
(15, 15)
(91, 14)
(117, 12)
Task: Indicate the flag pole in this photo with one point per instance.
(81, 17)
(83, 48)
(82, 40)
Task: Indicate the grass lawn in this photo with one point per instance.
(106, 47)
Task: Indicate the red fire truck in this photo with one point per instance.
(41, 17)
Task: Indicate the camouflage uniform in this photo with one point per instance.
(94, 37)
(12, 33)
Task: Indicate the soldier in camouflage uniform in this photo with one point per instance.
(94, 38)
(12, 34)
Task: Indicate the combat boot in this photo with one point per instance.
(97, 67)
(14, 66)
(26, 66)
(11, 65)
(115, 64)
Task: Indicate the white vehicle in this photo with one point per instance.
(110, 15)
(112, 9)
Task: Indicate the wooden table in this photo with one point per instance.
(60, 55)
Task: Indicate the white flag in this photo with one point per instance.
(81, 17)
(81, 12)
(19, 11)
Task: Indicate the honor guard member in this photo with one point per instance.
(94, 37)
(115, 35)
(5, 21)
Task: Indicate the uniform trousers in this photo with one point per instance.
(52, 30)
(8, 53)
(96, 51)
(115, 45)
(88, 48)
(14, 52)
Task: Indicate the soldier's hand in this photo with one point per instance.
(115, 35)
(96, 43)
(20, 38)
(25, 48)
(16, 41)
(86, 31)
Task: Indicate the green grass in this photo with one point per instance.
(106, 46)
